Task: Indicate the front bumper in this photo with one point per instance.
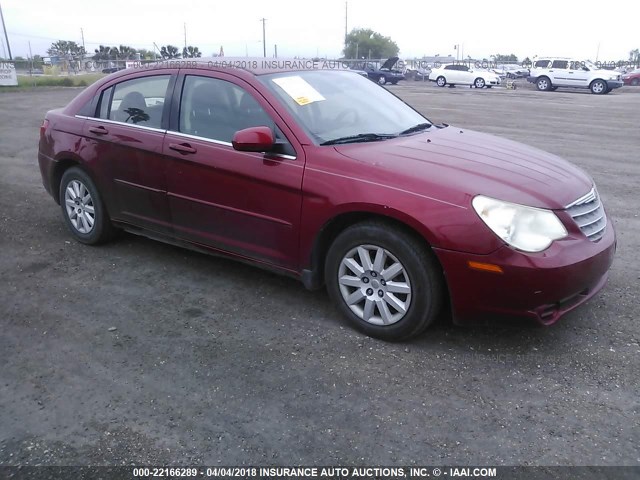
(614, 84)
(542, 286)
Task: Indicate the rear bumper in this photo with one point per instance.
(47, 169)
(542, 287)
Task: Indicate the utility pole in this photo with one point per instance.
(30, 58)
(159, 53)
(6, 37)
(82, 35)
(264, 38)
(346, 15)
(275, 51)
(185, 35)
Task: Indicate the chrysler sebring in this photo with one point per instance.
(327, 177)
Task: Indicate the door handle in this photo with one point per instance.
(182, 148)
(100, 130)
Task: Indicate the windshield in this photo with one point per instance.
(333, 105)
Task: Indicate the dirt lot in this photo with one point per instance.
(212, 362)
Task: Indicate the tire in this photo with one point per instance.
(598, 87)
(544, 84)
(441, 81)
(553, 89)
(479, 82)
(382, 80)
(81, 205)
(417, 279)
(393, 82)
(635, 82)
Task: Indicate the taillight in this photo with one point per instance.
(43, 127)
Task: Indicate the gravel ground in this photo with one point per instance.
(142, 353)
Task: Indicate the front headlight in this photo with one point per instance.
(526, 228)
(613, 77)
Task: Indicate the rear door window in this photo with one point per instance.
(139, 101)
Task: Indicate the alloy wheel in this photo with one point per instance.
(374, 285)
(79, 206)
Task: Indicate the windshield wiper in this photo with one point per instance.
(416, 128)
(361, 137)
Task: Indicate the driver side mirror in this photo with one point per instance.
(253, 139)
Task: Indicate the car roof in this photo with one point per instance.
(251, 65)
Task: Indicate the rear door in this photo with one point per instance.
(451, 74)
(126, 134)
(559, 73)
(241, 202)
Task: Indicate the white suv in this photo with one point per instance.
(551, 73)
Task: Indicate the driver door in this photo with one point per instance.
(241, 202)
(577, 75)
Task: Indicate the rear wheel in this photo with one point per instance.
(441, 81)
(82, 208)
(543, 84)
(382, 80)
(387, 283)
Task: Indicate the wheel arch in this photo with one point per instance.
(313, 275)
(64, 163)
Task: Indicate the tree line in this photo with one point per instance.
(359, 43)
(65, 48)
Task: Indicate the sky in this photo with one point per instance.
(308, 29)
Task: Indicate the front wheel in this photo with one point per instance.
(635, 82)
(82, 208)
(598, 87)
(441, 81)
(387, 283)
(479, 82)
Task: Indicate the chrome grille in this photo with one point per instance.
(588, 213)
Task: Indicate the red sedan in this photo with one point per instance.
(632, 78)
(327, 177)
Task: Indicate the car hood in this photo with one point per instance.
(459, 164)
(389, 63)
